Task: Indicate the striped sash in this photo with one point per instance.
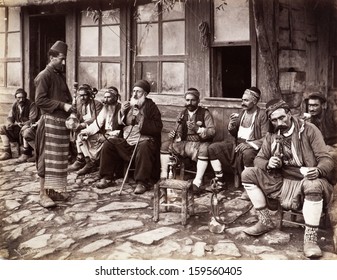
(56, 152)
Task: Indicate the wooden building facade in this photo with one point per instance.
(284, 47)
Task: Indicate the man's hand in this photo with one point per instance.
(274, 162)
(192, 126)
(241, 147)
(81, 126)
(233, 119)
(70, 108)
(313, 173)
(125, 105)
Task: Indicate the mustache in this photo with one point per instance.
(280, 127)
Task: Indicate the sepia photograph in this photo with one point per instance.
(174, 130)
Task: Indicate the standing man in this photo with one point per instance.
(142, 125)
(195, 132)
(248, 128)
(52, 140)
(91, 139)
(22, 115)
(87, 111)
(293, 163)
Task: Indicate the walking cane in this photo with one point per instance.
(130, 162)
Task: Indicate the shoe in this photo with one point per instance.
(244, 196)
(140, 189)
(31, 159)
(77, 165)
(57, 195)
(23, 158)
(88, 168)
(258, 229)
(103, 184)
(5, 156)
(197, 190)
(46, 201)
(312, 250)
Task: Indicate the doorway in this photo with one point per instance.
(232, 71)
(44, 32)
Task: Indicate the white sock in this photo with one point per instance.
(256, 196)
(164, 161)
(312, 211)
(201, 168)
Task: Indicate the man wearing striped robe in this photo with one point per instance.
(52, 140)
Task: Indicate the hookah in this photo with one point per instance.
(72, 122)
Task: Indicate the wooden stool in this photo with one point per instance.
(186, 194)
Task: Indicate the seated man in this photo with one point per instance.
(90, 140)
(23, 114)
(293, 163)
(194, 133)
(142, 125)
(87, 110)
(248, 128)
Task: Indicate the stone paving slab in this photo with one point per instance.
(152, 236)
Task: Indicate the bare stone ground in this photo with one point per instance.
(100, 224)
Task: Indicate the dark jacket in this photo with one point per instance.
(52, 92)
(29, 114)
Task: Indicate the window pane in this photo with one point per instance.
(148, 71)
(178, 12)
(88, 73)
(234, 14)
(89, 41)
(111, 16)
(14, 19)
(173, 77)
(14, 74)
(87, 18)
(111, 75)
(13, 43)
(110, 41)
(147, 39)
(2, 20)
(2, 45)
(2, 74)
(174, 37)
(147, 13)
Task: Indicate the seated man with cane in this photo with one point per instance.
(194, 133)
(142, 125)
(292, 166)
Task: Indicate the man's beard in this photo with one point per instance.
(190, 107)
(140, 101)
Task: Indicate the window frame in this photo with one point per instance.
(100, 60)
(6, 60)
(252, 43)
(160, 58)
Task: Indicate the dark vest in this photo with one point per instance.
(199, 117)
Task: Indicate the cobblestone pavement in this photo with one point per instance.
(100, 224)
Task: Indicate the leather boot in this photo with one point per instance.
(78, 164)
(264, 224)
(310, 247)
(87, 168)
